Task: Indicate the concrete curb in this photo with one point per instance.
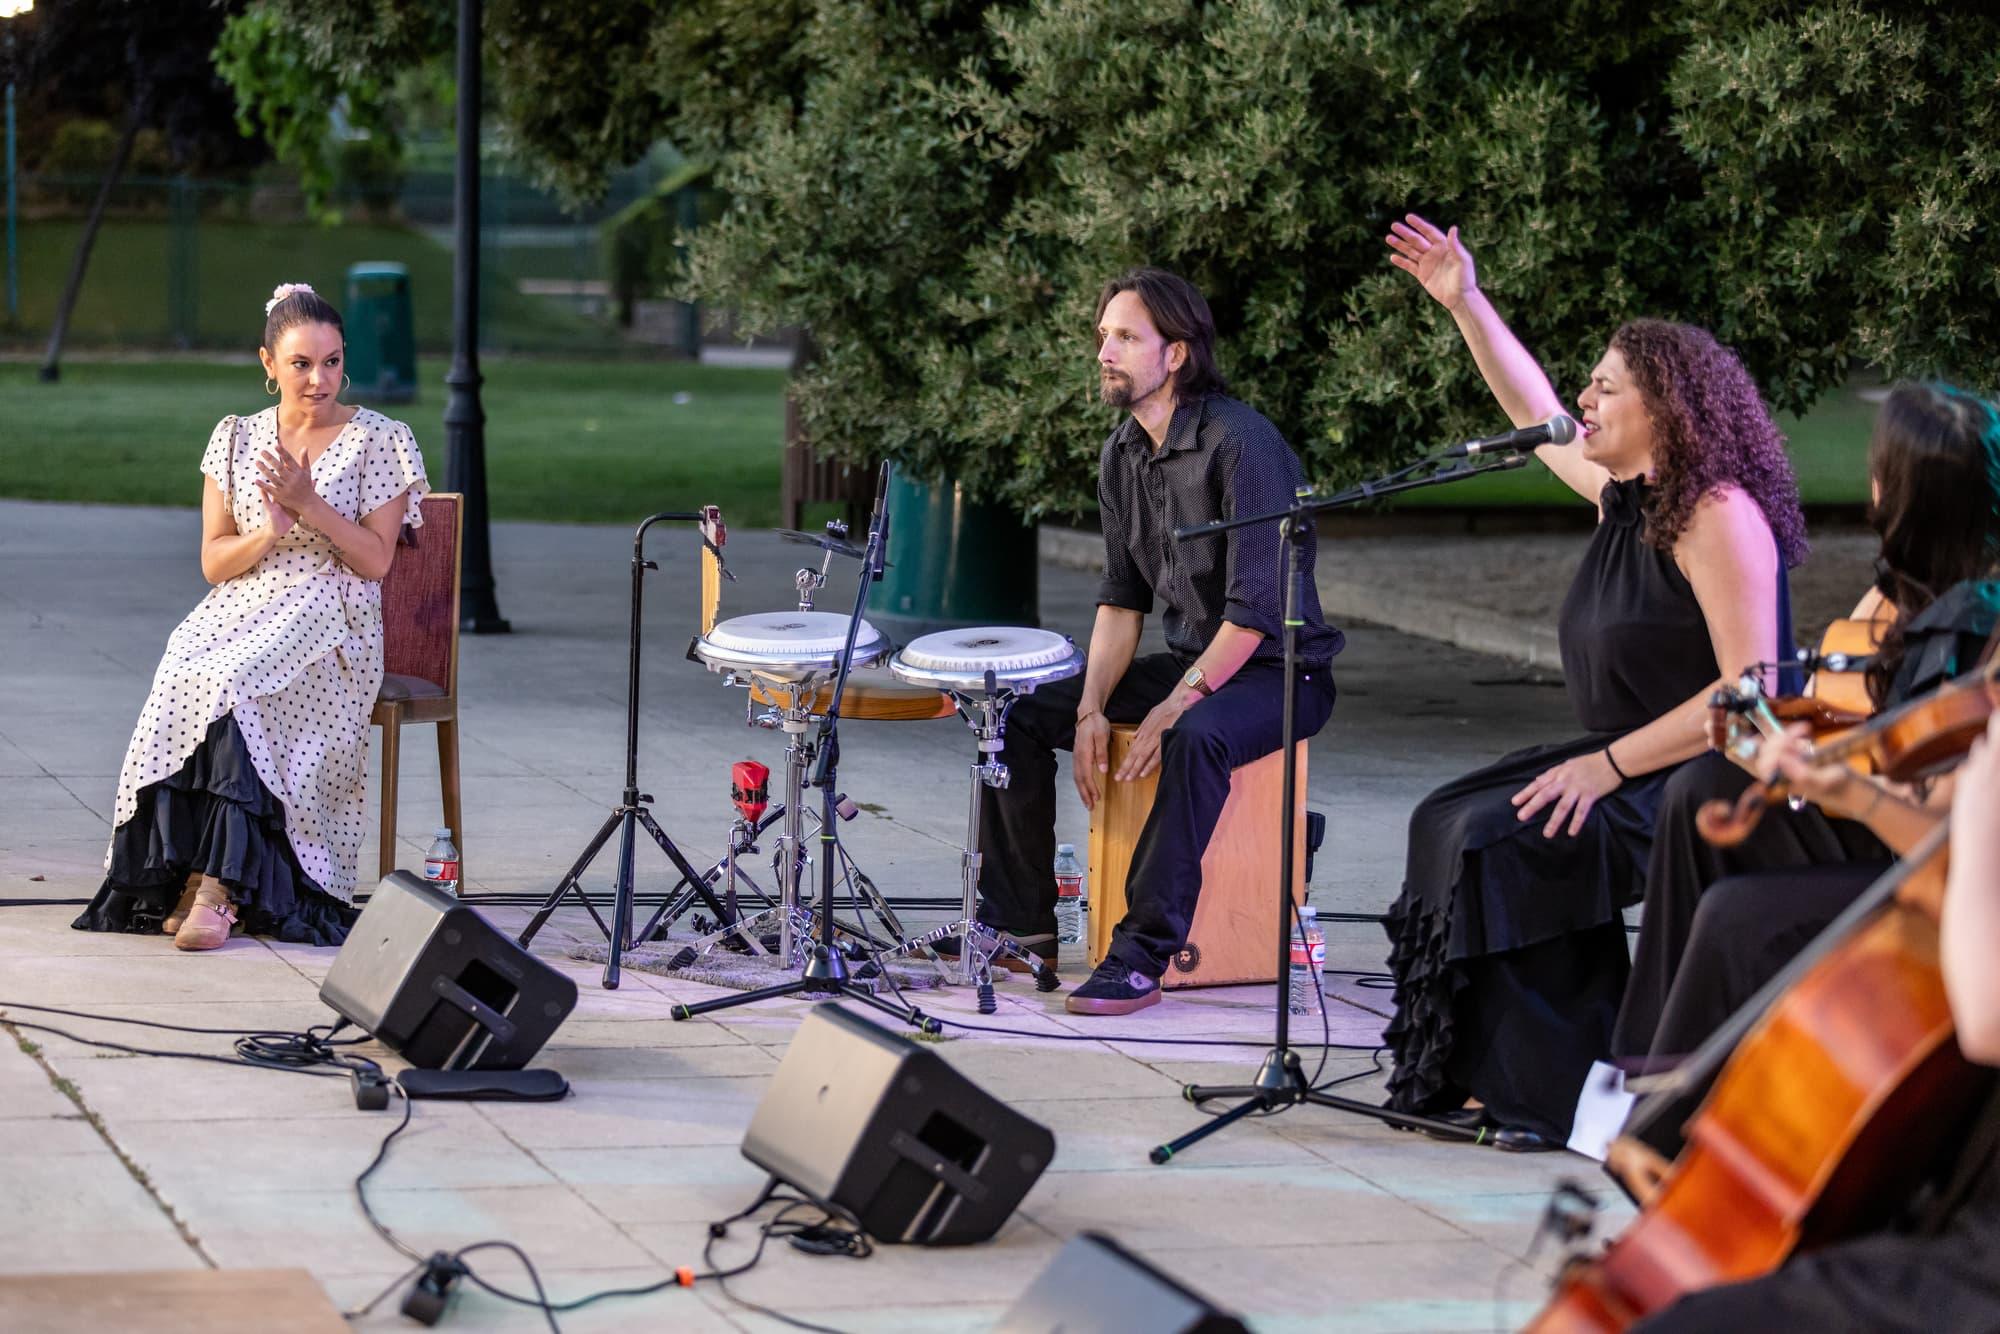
(1447, 620)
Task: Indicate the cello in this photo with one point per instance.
(1828, 1077)
(1833, 1072)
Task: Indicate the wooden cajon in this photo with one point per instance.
(1234, 936)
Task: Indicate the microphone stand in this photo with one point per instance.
(826, 974)
(1280, 1081)
(630, 811)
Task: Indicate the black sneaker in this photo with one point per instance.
(1114, 989)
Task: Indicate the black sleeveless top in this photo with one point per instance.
(1634, 641)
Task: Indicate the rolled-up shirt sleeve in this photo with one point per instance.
(1123, 585)
(1261, 479)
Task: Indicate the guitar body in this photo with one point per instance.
(1846, 692)
(1834, 1107)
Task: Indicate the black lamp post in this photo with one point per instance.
(464, 419)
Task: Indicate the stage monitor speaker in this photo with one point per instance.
(440, 985)
(1096, 1286)
(863, 1118)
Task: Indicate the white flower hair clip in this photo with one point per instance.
(283, 290)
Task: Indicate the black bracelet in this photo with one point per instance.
(1623, 777)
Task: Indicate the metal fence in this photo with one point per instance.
(186, 263)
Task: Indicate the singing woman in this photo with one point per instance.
(1507, 942)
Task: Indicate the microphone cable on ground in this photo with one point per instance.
(302, 1053)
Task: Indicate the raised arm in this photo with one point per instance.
(1440, 261)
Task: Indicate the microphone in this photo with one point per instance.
(1559, 429)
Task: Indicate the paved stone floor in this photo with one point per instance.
(1310, 1220)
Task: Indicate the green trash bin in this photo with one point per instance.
(381, 333)
(953, 562)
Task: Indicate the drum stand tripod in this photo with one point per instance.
(793, 921)
(631, 810)
(826, 972)
(978, 943)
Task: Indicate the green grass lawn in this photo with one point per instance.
(594, 442)
(126, 301)
(1828, 445)
(587, 442)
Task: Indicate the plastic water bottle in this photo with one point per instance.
(1072, 908)
(1308, 959)
(441, 863)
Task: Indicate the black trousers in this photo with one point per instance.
(1239, 723)
(1684, 866)
(1745, 931)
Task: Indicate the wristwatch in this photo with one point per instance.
(1196, 682)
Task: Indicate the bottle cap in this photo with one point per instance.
(1065, 849)
(441, 832)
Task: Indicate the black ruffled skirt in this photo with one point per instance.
(215, 817)
(1508, 948)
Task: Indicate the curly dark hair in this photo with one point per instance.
(1711, 429)
(1934, 455)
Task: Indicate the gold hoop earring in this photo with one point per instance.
(270, 386)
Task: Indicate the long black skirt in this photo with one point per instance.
(1745, 931)
(1508, 948)
(214, 817)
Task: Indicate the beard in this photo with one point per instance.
(1116, 389)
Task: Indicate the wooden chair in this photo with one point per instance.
(420, 658)
(1233, 934)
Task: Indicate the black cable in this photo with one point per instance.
(855, 1245)
(1128, 1038)
(534, 1276)
(173, 1028)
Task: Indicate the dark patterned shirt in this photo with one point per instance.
(1220, 459)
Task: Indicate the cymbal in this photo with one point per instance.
(823, 542)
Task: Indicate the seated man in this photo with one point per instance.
(1186, 455)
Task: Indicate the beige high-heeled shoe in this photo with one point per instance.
(171, 923)
(208, 921)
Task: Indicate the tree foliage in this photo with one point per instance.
(114, 59)
(936, 189)
(286, 100)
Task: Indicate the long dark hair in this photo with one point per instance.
(1934, 454)
(1181, 314)
(1711, 429)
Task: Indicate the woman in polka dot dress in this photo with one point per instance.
(240, 800)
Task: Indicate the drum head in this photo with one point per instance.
(1000, 649)
(790, 636)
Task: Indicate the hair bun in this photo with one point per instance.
(283, 290)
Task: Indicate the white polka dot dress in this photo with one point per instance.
(292, 646)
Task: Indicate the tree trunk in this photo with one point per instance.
(59, 328)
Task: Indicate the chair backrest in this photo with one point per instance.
(420, 597)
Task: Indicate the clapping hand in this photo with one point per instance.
(1439, 260)
(287, 488)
